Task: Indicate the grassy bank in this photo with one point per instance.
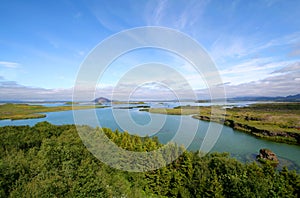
(186, 110)
(274, 121)
(25, 111)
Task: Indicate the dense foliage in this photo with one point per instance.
(51, 161)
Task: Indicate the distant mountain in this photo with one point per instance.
(101, 100)
(294, 97)
(291, 98)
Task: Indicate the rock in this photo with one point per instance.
(266, 155)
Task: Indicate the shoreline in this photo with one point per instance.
(10, 111)
(281, 137)
(277, 122)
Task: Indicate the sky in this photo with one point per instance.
(255, 46)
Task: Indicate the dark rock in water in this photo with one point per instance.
(266, 155)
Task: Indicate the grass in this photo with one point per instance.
(25, 111)
(175, 111)
(126, 102)
(278, 122)
(71, 103)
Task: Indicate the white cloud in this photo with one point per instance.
(295, 67)
(252, 69)
(244, 58)
(239, 47)
(284, 82)
(157, 13)
(289, 39)
(165, 13)
(295, 52)
(228, 47)
(108, 15)
(7, 64)
(81, 53)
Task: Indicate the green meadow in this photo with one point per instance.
(26, 111)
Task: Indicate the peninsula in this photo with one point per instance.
(278, 122)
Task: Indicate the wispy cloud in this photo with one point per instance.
(167, 13)
(154, 11)
(241, 46)
(108, 15)
(295, 67)
(158, 13)
(279, 85)
(255, 65)
(8, 64)
(295, 52)
(228, 47)
(290, 39)
(243, 59)
(253, 70)
(285, 82)
(11, 90)
(81, 53)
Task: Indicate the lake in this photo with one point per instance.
(242, 146)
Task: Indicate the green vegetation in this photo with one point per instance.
(25, 111)
(202, 101)
(274, 121)
(51, 161)
(139, 102)
(134, 107)
(71, 103)
(186, 110)
(125, 102)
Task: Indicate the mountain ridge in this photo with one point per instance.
(289, 98)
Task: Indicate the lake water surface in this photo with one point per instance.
(240, 145)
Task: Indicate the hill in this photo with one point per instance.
(102, 100)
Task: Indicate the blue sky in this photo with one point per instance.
(255, 44)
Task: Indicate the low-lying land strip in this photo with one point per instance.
(26, 111)
(274, 121)
(133, 107)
